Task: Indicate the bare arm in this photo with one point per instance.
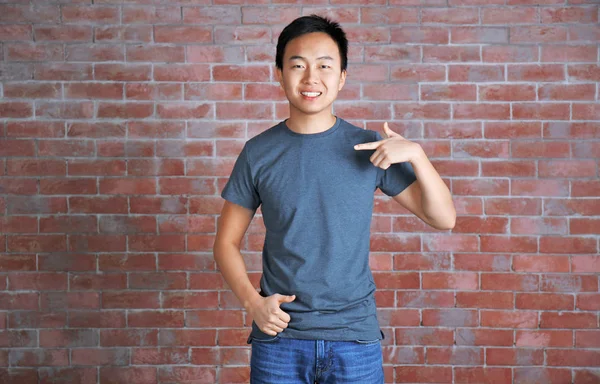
(265, 311)
(428, 197)
(231, 227)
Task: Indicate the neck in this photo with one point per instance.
(307, 124)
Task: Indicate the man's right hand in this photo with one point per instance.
(267, 314)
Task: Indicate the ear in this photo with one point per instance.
(279, 76)
(342, 80)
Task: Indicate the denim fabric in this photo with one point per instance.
(281, 360)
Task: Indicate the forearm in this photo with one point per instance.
(436, 200)
(233, 268)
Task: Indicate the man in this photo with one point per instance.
(314, 174)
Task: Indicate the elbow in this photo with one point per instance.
(444, 223)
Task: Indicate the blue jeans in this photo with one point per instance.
(281, 360)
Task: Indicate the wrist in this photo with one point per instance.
(251, 301)
(419, 155)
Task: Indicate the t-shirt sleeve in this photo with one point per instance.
(396, 178)
(240, 188)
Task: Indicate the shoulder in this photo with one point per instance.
(358, 132)
(266, 135)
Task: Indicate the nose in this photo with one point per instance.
(310, 76)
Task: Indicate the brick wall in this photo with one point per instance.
(121, 120)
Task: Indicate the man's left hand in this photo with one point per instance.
(392, 149)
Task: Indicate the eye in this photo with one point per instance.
(325, 66)
(297, 66)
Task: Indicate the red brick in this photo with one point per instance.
(421, 261)
(568, 320)
(67, 375)
(35, 319)
(155, 319)
(65, 33)
(510, 130)
(535, 72)
(586, 376)
(567, 245)
(542, 226)
(544, 301)
(396, 54)
(128, 337)
(484, 337)
(514, 356)
(187, 337)
(532, 148)
(482, 375)
(481, 262)
(541, 375)
(161, 356)
(585, 188)
(100, 281)
(570, 15)
(572, 53)
(150, 15)
(545, 338)
(447, 280)
(95, 319)
(68, 338)
(368, 34)
(396, 280)
(509, 319)
(415, 72)
(567, 92)
(586, 112)
(423, 374)
(569, 283)
(424, 336)
(33, 14)
(541, 111)
(537, 34)
(389, 16)
(423, 35)
(509, 282)
(129, 375)
(448, 92)
(451, 317)
(511, 92)
(481, 111)
(508, 53)
(587, 339)
(390, 92)
(450, 16)
(484, 300)
(130, 300)
(448, 54)
(572, 358)
(527, 263)
(242, 35)
(585, 263)
(16, 109)
(471, 35)
(499, 15)
(128, 33)
(179, 374)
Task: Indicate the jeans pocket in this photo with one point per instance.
(367, 341)
(271, 339)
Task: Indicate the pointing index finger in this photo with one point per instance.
(371, 145)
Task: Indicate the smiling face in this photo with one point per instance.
(311, 74)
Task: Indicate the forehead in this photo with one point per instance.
(312, 45)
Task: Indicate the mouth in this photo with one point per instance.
(311, 94)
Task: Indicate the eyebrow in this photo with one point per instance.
(296, 57)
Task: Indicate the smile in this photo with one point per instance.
(311, 94)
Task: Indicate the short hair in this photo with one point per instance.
(309, 24)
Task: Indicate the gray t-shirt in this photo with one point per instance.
(316, 193)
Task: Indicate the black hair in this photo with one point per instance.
(310, 24)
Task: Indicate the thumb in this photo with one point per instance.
(391, 133)
(286, 299)
(387, 131)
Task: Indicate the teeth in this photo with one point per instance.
(311, 94)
